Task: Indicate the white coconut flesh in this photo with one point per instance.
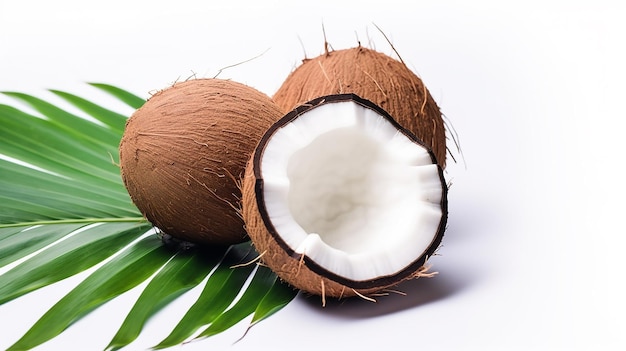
(345, 187)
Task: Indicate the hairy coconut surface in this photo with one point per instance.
(183, 152)
(374, 76)
(340, 200)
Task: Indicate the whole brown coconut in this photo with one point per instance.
(183, 152)
(374, 76)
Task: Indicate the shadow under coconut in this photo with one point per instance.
(414, 293)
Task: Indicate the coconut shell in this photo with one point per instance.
(299, 270)
(374, 76)
(183, 152)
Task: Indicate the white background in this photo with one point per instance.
(533, 256)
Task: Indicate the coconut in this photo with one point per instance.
(183, 152)
(340, 200)
(374, 76)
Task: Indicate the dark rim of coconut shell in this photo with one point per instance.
(401, 275)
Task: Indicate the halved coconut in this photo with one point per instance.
(340, 200)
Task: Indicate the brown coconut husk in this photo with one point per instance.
(374, 76)
(183, 150)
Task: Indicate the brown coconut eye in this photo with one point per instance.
(341, 200)
(183, 152)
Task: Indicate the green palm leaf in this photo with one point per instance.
(64, 209)
(183, 272)
(260, 284)
(216, 296)
(121, 274)
(65, 259)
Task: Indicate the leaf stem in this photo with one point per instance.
(75, 220)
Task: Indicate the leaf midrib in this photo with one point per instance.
(75, 221)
